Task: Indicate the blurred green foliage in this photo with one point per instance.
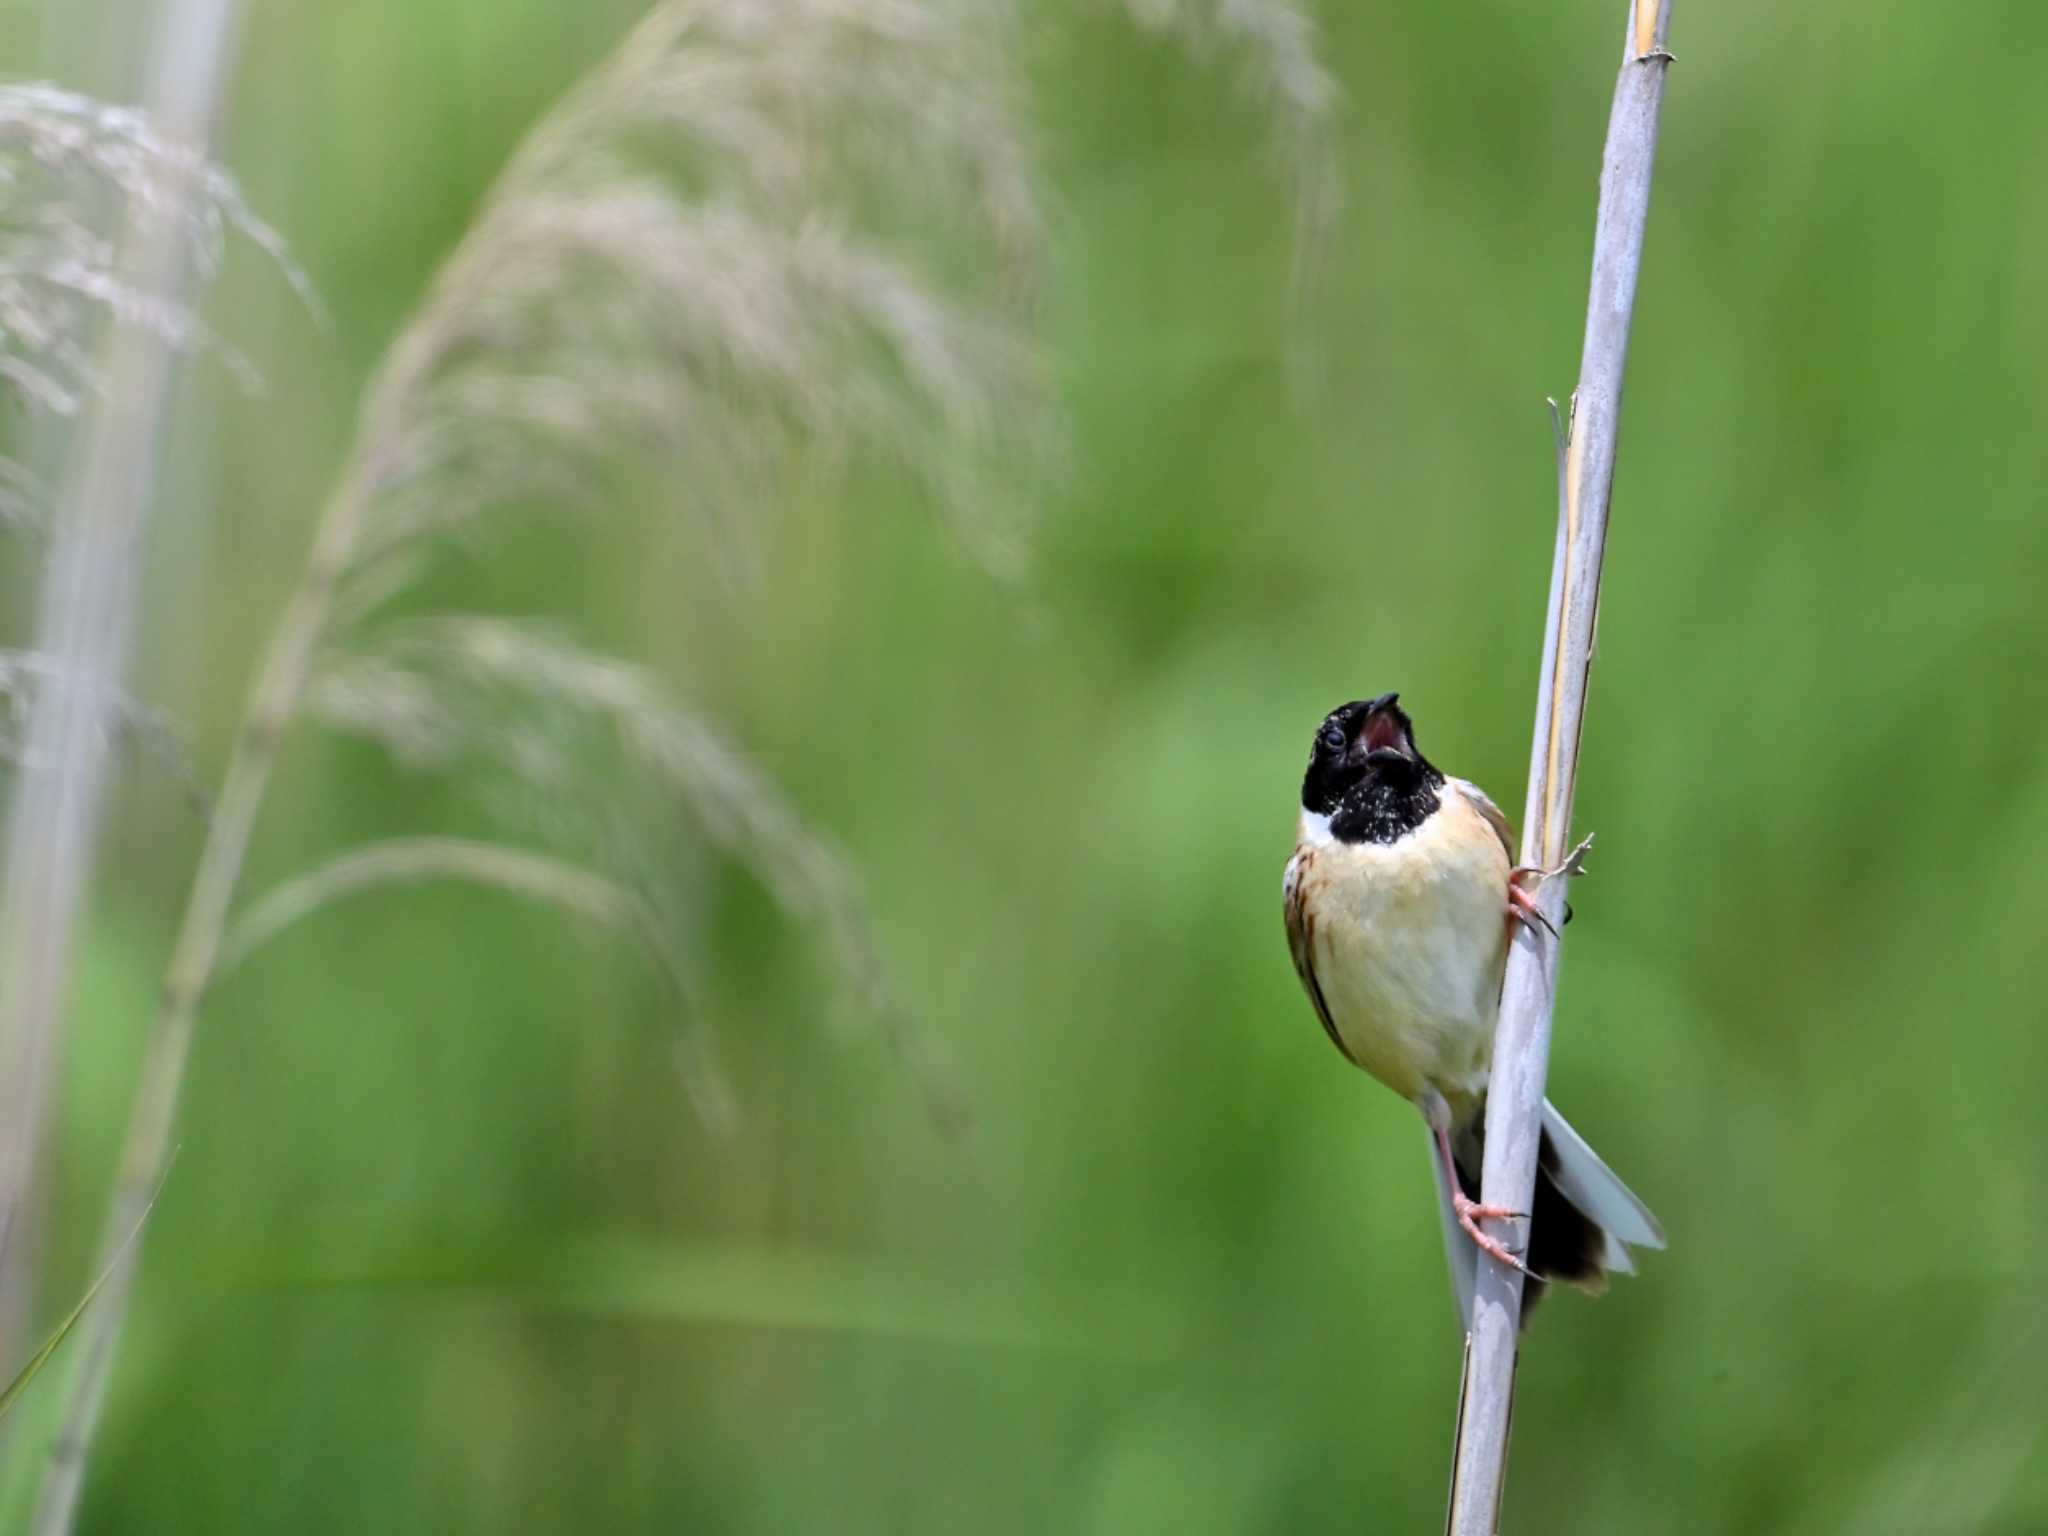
(446, 1250)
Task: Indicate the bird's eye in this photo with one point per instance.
(1333, 738)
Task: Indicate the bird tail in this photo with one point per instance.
(1582, 1220)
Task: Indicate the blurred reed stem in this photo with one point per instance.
(84, 631)
(280, 684)
(1514, 1105)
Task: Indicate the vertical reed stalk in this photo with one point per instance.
(83, 636)
(1522, 1040)
(272, 702)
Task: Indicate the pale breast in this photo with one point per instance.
(1409, 941)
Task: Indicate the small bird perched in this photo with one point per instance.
(1400, 900)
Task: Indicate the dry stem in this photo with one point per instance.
(1522, 1040)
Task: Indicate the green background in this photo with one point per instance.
(446, 1248)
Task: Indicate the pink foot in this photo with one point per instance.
(1471, 1213)
(1468, 1211)
(1523, 909)
(1525, 878)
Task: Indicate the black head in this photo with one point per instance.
(1366, 774)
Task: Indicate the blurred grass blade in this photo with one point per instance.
(62, 1331)
(540, 877)
(792, 1288)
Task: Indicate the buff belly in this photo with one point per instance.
(1410, 939)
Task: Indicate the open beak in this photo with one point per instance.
(1385, 738)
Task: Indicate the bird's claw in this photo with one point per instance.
(1524, 879)
(1523, 909)
(1470, 1213)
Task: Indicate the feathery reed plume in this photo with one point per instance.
(519, 711)
(449, 690)
(1273, 43)
(64, 160)
(150, 732)
(668, 266)
(671, 269)
(707, 258)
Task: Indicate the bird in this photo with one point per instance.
(1401, 898)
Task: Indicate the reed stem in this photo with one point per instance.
(1514, 1107)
